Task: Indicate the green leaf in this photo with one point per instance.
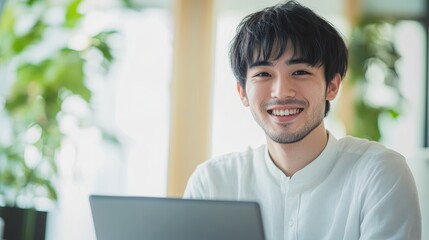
(134, 5)
(367, 121)
(73, 16)
(7, 34)
(52, 192)
(70, 73)
(31, 2)
(394, 113)
(33, 36)
(100, 42)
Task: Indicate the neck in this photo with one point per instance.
(291, 158)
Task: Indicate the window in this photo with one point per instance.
(133, 101)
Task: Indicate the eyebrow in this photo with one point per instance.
(292, 61)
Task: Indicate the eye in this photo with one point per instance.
(262, 74)
(300, 72)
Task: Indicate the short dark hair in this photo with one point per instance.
(266, 33)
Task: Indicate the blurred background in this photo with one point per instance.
(126, 97)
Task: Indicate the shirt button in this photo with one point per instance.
(291, 223)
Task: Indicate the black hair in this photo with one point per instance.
(265, 34)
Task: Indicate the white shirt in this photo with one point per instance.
(355, 189)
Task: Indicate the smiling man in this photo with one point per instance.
(289, 63)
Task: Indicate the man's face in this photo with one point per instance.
(287, 96)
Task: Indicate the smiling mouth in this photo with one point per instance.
(285, 112)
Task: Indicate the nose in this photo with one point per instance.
(283, 87)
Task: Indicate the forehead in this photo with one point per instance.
(289, 55)
(263, 52)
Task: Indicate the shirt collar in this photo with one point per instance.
(311, 174)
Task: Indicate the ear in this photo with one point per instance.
(243, 95)
(333, 87)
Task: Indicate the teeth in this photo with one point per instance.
(285, 112)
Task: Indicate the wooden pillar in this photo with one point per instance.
(353, 13)
(191, 90)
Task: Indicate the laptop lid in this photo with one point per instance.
(151, 218)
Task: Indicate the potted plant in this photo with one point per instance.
(372, 73)
(37, 77)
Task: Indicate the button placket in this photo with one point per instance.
(292, 200)
(286, 209)
(289, 205)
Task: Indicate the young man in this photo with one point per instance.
(289, 63)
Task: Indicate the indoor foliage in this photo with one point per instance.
(373, 74)
(38, 74)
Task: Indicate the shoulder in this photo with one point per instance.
(369, 153)
(220, 176)
(383, 182)
(375, 165)
(234, 161)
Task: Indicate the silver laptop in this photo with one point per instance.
(151, 218)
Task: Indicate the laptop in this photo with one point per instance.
(156, 218)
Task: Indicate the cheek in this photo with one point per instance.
(254, 94)
(314, 94)
(317, 90)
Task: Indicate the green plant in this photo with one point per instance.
(373, 76)
(38, 75)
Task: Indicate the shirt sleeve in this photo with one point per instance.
(390, 205)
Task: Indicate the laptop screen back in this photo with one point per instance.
(150, 218)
